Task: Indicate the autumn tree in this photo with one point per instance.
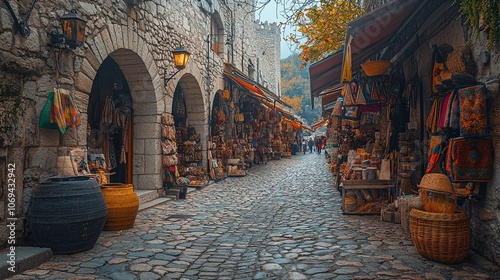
(318, 27)
(295, 88)
(323, 27)
(295, 102)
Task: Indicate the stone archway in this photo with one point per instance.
(196, 107)
(141, 74)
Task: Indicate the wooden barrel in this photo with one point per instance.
(123, 205)
(67, 214)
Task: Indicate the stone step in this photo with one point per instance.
(152, 203)
(146, 196)
(23, 258)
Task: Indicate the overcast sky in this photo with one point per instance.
(269, 14)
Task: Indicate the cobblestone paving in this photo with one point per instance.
(282, 221)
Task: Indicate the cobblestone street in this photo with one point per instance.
(282, 221)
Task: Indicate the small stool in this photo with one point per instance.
(173, 192)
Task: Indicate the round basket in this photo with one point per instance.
(436, 182)
(375, 67)
(440, 237)
(438, 202)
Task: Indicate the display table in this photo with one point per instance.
(365, 196)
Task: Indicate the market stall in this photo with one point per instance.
(184, 168)
(109, 133)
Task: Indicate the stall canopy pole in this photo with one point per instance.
(347, 61)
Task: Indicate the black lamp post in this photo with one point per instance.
(73, 27)
(181, 57)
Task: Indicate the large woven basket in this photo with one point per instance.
(440, 237)
(375, 67)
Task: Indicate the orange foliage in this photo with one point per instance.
(323, 26)
(295, 102)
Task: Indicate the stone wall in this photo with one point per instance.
(485, 214)
(139, 36)
(483, 211)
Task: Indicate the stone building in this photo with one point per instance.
(266, 35)
(127, 48)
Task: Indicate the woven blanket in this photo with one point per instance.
(473, 111)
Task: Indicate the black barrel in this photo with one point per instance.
(67, 214)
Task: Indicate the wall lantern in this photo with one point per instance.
(181, 57)
(73, 26)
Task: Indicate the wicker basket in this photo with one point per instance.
(375, 67)
(441, 237)
(438, 202)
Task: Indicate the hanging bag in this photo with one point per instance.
(470, 159)
(385, 169)
(360, 97)
(348, 95)
(44, 121)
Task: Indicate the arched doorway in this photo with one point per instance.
(191, 125)
(143, 150)
(110, 121)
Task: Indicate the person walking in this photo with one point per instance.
(319, 143)
(304, 146)
(310, 143)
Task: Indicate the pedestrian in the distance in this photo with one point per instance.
(319, 143)
(310, 143)
(304, 146)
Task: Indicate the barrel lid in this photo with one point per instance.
(67, 178)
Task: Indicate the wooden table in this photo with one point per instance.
(366, 185)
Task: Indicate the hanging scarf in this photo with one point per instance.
(63, 111)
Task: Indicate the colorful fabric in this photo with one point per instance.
(473, 111)
(444, 111)
(454, 112)
(349, 99)
(45, 114)
(470, 159)
(63, 111)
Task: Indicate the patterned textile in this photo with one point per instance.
(63, 111)
(473, 111)
(454, 112)
(470, 159)
(444, 111)
(348, 95)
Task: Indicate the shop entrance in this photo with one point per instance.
(109, 133)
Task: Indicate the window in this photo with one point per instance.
(217, 34)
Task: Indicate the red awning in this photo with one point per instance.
(330, 97)
(284, 113)
(372, 31)
(319, 123)
(325, 73)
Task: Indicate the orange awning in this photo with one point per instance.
(285, 113)
(319, 123)
(296, 125)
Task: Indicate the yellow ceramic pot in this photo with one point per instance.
(123, 204)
